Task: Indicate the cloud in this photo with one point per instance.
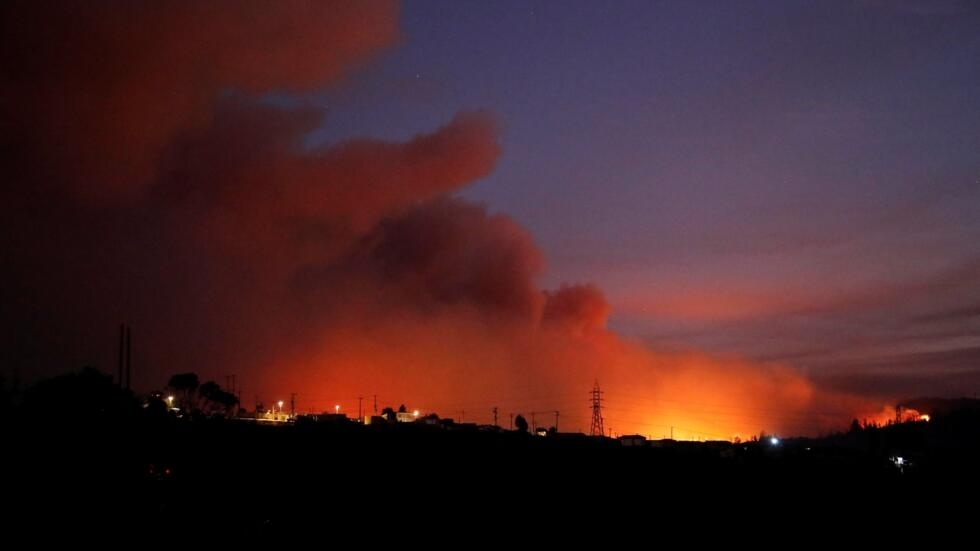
(953, 372)
(953, 314)
(884, 340)
(922, 7)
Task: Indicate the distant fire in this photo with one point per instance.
(909, 415)
(893, 415)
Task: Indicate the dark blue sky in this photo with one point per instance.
(783, 180)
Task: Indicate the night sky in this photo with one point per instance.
(735, 216)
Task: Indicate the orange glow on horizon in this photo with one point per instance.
(461, 368)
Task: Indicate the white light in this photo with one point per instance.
(774, 441)
(280, 404)
(899, 460)
(415, 413)
(336, 408)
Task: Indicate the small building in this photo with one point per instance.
(406, 416)
(633, 440)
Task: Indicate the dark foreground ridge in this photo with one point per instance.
(119, 465)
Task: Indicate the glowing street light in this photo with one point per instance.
(416, 414)
(774, 441)
(336, 409)
(171, 400)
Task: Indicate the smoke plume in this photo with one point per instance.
(148, 181)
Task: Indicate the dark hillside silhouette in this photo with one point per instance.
(78, 435)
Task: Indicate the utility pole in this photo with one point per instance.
(556, 421)
(129, 355)
(534, 426)
(511, 421)
(122, 351)
(375, 404)
(360, 416)
(125, 355)
(495, 416)
(292, 404)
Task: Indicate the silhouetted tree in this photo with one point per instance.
(402, 409)
(185, 384)
(215, 400)
(208, 389)
(156, 407)
(85, 395)
(521, 423)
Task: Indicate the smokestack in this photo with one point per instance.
(122, 333)
(129, 355)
